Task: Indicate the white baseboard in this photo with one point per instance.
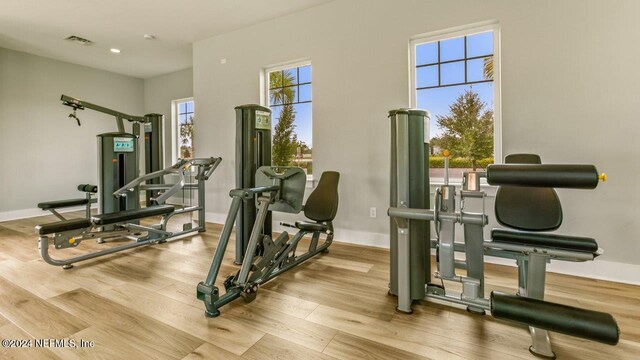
(35, 212)
(597, 269)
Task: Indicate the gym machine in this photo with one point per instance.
(278, 189)
(70, 233)
(525, 201)
(120, 149)
(253, 150)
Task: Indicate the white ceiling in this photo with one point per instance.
(40, 26)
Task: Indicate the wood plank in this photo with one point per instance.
(273, 347)
(37, 317)
(345, 346)
(104, 346)
(129, 326)
(308, 334)
(39, 278)
(344, 290)
(208, 351)
(402, 337)
(11, 331)
(17, 245)
(358, 266)
(224, 331)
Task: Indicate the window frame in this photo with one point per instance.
(175, 126)
(265, 94)
(456, 32)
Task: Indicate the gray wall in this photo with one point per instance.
(159, 91)
(569, 92)
(43, 153)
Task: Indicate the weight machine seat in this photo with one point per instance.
(60, 226)
(122, 216)
(564, 242)
(527, 208)
(322, 204)
(311, 226)
(48, 205)
(587, 324)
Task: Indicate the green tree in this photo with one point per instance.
(468, 128)
(186, 139)
(285, 140)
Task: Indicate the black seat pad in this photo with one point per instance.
(311, 226)
(564, 242)
(122, 216)
(65, 225)
(47, 205)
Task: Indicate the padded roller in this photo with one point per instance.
(88, 188)
(555, 241)
(48, 205)
(553, 175)
(587, 324)
(60, 226)
(311, 226)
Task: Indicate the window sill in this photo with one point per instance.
(311, 182)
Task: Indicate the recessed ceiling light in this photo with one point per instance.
(149, 37)
(115, 51)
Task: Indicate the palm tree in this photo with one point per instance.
(488, 68)
(285, 139)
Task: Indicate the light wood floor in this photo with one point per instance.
(141, 304)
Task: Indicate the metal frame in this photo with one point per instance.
(531, 260)
(275, 257)
(156, 233)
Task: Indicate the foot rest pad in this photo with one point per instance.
(62, 203)
(587, 324)
(127, 215)
(554, 241)
(60, 226)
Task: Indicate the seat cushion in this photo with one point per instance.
(311, 226)
(554, 241)
(122, 216)
(47, 205)
(59, 226)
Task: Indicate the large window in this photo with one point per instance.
(182, 129)
(289, 93)
(455, 79)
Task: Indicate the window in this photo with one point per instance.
(455, 76)
(182, 129)
(288, 91)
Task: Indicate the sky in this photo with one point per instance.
(435, 100)
(303, 120)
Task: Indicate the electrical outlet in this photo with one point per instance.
(223, 61)
(373, 212)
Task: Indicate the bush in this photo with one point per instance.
(437, 162)
(485, 162)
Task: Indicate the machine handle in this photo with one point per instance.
(550, 175)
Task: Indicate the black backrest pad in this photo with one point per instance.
(527, 208)
(322, 204)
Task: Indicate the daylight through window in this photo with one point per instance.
(289, 93)
(184, 129)
(454, 81)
